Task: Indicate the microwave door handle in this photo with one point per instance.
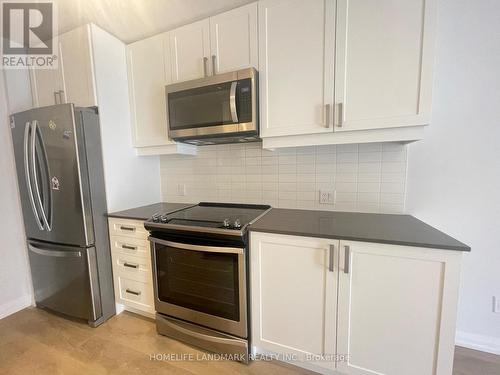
(28, 132)
(232, 102)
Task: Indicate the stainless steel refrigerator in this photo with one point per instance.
(61, 183)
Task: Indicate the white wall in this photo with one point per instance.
(454, 173)
(131, 181)
(15, 283)
(367, 177)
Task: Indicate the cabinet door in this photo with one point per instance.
(294, 294)
(397, 309)
(190, 51)
(384, 59)
(147, 79)
(296, 57)
(46, 85)
(77, 71)
(233, 39)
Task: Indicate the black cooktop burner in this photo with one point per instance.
(209, 216)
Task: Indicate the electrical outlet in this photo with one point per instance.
(496, 305)
(327, 196)
(181, 190)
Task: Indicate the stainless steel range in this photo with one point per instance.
(200, 271)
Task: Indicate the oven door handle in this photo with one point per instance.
(232, 102)
(208, 249)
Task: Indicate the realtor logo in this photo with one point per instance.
(28, 31)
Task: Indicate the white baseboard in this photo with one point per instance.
(11, 307)
(482, 343)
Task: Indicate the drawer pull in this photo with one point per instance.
(130, 291)
(130, 229)
(128, 247)
(130, 265)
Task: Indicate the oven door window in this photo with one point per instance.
(200, 281)
(200, 107)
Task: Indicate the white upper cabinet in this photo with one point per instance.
(73, 80)
(148, 73)
(46, 86)
(233, 39)
(296, 58)
(384, 63)
(77, 67)
(190, 51)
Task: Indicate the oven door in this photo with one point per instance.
(205, 285)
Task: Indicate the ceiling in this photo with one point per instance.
(132, 20)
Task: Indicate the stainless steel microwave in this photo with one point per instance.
(213, 110)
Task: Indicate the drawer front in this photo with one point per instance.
(134, 293)
(131, 246)
(128, 228)
(134, 268)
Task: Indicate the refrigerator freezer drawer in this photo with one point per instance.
(65, 279)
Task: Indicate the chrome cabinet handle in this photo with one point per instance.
(347, 260)
(340, 114)
(327, 115)
(232, 102)
(214, 65)
(130, 229)
(128, 247)
(205, 66)
(130, 291)
(331, 260)
(27, 173)
(130, 265)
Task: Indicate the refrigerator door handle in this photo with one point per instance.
(35, 178)
(48, 214)
(54, 253)
(27, 173)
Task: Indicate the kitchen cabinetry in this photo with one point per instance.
(233, 39)
(132, 273)
(218, 44)
(383, 65)
(149, 70)
(73, 80)
(345, 71)
(147, 73)
(396, 308)
(190, 51)
(296, 48)
(294, 295)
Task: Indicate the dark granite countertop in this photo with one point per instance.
(380, 228)
(145, 212)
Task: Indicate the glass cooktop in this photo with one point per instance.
(213, 215)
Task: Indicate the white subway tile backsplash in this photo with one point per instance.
(366, 177)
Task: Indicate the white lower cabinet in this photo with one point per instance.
(294, 296)
(384, 309)
(132, 272)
